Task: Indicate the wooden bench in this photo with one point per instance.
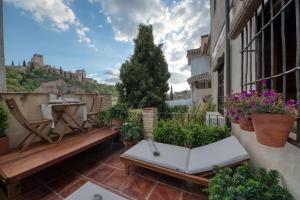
(16, 166)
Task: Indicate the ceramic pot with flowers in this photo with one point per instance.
(273, 118)
(246, 123)
(239, 109)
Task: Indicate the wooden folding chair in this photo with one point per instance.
(94, 112)
(35, 128)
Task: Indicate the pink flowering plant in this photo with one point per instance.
(239, 105)
(273, 102)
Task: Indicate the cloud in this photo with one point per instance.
(112, 75)
(185, 68)
(95, 76)
(178, 26)
(177, 78)
(112, 72)
(112, 80)
(57, 13)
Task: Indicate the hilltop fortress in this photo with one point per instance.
(37, 62)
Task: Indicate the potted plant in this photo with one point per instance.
(232, 108)
(132, 133)
(239, 109)
(246, 184)
(273, 118)
(4, 139)
(118, 114)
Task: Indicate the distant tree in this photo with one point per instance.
(19, 64)
(144, 77)
(171, 94)
(12, 63)
(24, 63)
(60, 71)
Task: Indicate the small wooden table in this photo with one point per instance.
(66, 114)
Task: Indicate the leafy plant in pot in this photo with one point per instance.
(118, 114)
(132, 133)
(239, 109)
(246, 184)
(273, 118)
(4, 139)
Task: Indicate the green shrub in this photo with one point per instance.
(199, 135)
(170, 132)
(194, 135)
(177, 109)
(246, 183)
(198, 112)
(133, 132)
(135, 115)
(3, 120)
(105, 117)
(119, 112)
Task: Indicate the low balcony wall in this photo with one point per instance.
(29, 104)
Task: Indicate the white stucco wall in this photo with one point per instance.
(286, 160)
(199, 94)
(199, 65)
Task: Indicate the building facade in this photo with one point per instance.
(200, 80)
(263, 38)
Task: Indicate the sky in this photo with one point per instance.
(97, 35)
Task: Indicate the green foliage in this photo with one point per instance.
(194, 135)
(200, 135)
(170, 132)
(144, 77)
(3, 120)
(177, 109)
(133, 132)
(171, 94)
(246, 183)
(198, 112)
(118, 112)
(28, 80)
(185, 115)
(105, 117)
(135, 115)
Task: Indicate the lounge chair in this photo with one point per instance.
(194, 165)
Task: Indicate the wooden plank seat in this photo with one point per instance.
(34, 128)
(16, 166)
(194, 165)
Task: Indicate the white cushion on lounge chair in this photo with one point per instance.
(171, 156)
(89, 191)
(222, 153)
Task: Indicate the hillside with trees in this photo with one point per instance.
(29, 80)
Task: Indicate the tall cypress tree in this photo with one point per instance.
(144, 77)
(171, 94)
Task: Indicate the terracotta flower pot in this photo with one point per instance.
(246, 124)
(234, 121)
(128, 144)
(116, 122)
(4, 145)
(272, 129)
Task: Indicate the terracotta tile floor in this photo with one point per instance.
(102, 166)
